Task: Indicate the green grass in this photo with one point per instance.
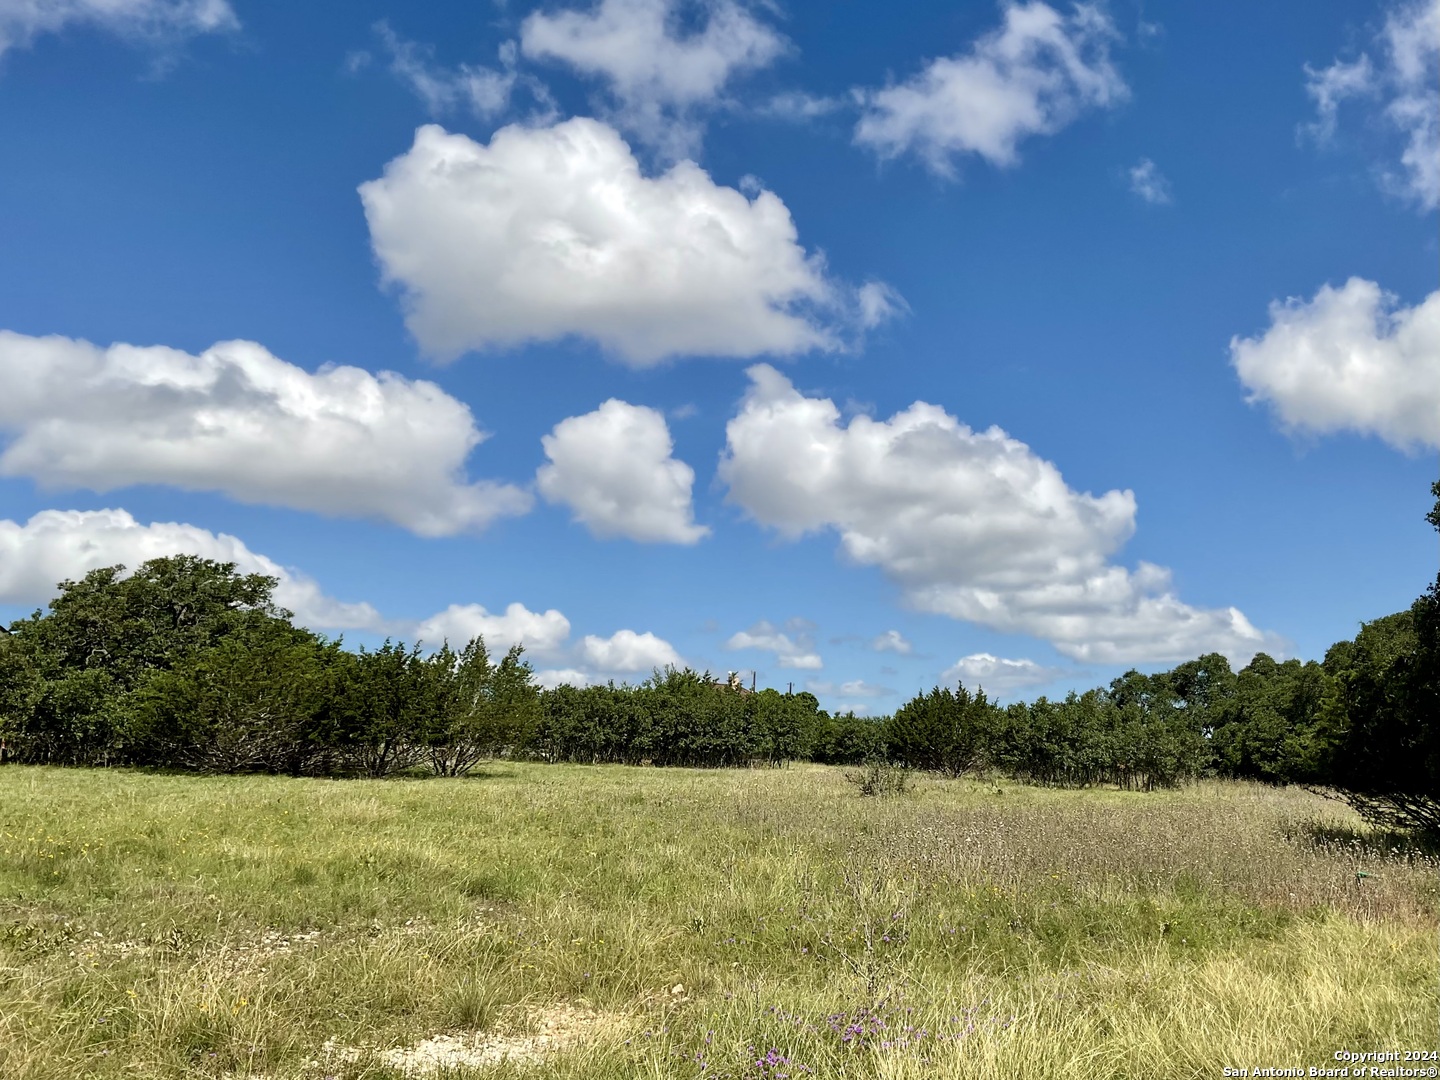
(619, 922)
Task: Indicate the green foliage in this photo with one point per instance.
(1382, 719)
(1136, 734)
(676, 717)
(783, 725)
(478, 708)
(689, 720)
(247, 702)
(1381, 714)
(1265, 728)
(132, 625)
(943, 731)
(66, 674)
(383, 706)
(847, 739)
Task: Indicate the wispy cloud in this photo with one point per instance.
(1147, 182)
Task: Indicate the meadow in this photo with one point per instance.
(613, 921)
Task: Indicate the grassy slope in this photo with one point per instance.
(167, 926)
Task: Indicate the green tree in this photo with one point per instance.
(513, 704)
(455, 737)
(784, 724)
(1382, 717)
(247, 702)
(106, 633)
(1269, 726)
(383, 709)
(131, 624)
(945, 731)
(1382, 713)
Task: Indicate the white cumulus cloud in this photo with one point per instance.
(1351, 359)
(1032, 76)
(542, 633)
(615, 469)
(55, 545)
(620, 657)
(797, 653)
(998, 676)
(238, 420)
(626, 652)
(154, 21)
(554, 231)
(970, 524)
(1403, 81)
(658, 72)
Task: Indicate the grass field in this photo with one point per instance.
(622, 922)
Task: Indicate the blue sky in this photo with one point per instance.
(1020, 344)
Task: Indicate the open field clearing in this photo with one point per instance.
(623, 922)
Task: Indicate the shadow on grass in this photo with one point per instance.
(1335, 838)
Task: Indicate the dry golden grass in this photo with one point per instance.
(740, 924)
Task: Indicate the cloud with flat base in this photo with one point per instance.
(1349, 359)
(547, 233)
(969, 524)
(238, 420)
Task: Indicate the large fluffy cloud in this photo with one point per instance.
(1032, 76)
(657, 72)
(614, 468)
(555, 231)
(58, 544)
(238, 420)
(21, 21)
(1350, 359)
(970, 524)
(1403, 80)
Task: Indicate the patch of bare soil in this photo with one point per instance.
(553, 1029)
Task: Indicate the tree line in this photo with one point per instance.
(186, 663)
(1363, 722)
